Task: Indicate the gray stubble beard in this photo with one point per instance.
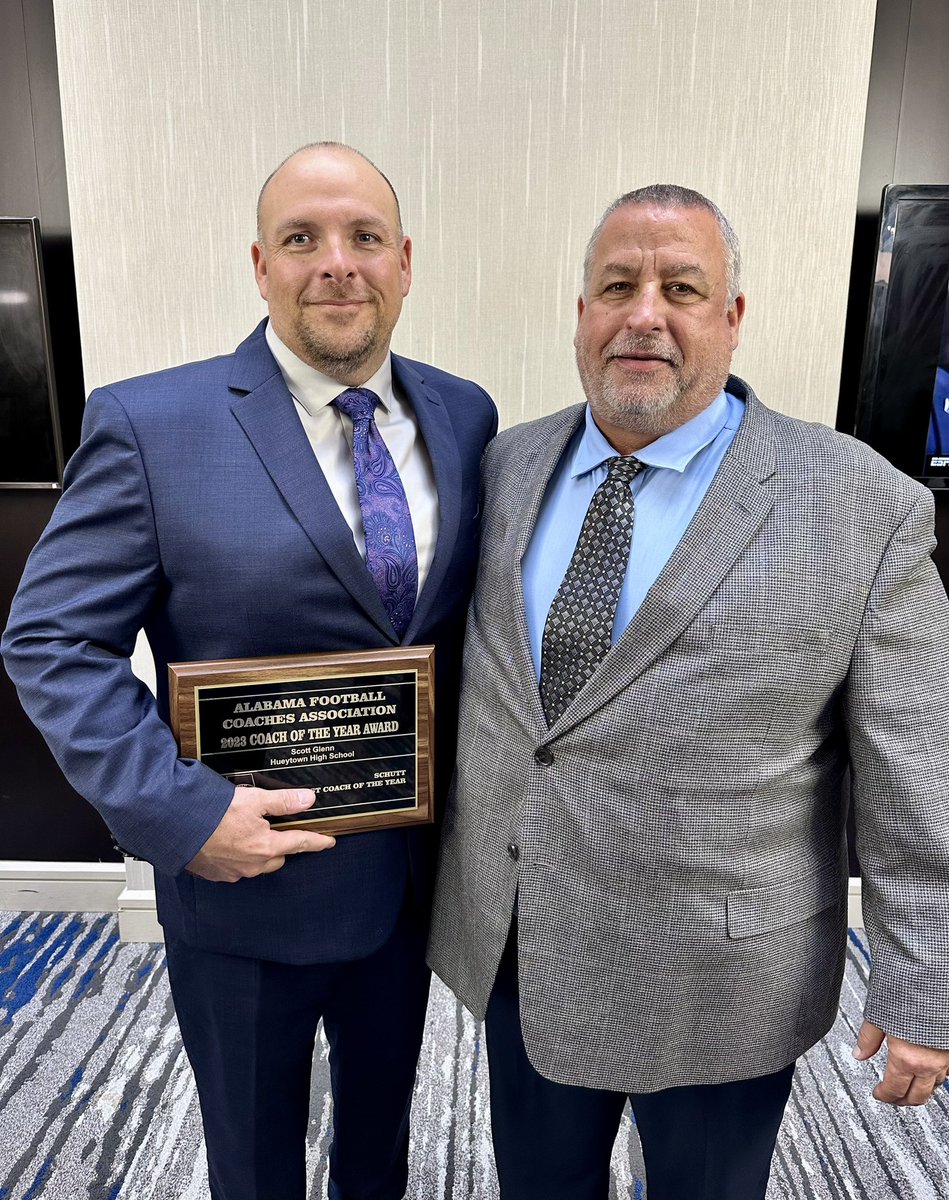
(649, 414)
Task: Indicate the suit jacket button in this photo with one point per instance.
(514, 851)
(544, 755)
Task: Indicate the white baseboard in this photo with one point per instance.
(854, 905)
(59, 886)
(128, 889)
(139, 924)
(138, 921)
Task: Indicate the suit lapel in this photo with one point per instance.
(264, 408)
(542, 457)
(439, 438)
(731, 513)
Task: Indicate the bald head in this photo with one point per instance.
(312, 149)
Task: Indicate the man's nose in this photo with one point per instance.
(336, 260)
(645, 311)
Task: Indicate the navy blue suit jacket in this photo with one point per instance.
(196, 509)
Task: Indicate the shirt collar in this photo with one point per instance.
(674, 450)
(314, 390)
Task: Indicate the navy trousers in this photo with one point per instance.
(249, 1029)
(553, 1142)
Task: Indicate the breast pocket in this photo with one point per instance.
(729, 679)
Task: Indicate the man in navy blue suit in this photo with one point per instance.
(215, 506)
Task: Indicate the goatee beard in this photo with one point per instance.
(335, 360)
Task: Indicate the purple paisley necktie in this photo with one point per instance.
(386, 520)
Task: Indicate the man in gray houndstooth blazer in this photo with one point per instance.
(647, 895)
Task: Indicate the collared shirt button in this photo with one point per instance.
(514, 851)
(544, 755)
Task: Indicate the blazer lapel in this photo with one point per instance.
(537, 465)
(731, 513)
(540, 460)
(264, 408)
(439, 438)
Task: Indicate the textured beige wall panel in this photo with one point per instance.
(506, 129)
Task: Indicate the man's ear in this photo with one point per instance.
(735, 316)
(406, 265)
(259, 260)
(581, 308)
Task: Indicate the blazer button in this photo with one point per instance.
(544, 755)
(514, 851)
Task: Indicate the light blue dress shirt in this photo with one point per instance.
(681, 466)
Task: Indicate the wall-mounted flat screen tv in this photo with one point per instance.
(903, 400)
(30, 446)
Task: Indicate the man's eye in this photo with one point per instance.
(299, 239)
(619, 286)
(682, 289)
(366, 239)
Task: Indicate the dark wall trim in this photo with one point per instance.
(43, 818)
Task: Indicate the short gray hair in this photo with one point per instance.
(671, 195)
(326, 146)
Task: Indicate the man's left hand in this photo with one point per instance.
(913, 1073)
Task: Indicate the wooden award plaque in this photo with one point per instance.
(355, 727)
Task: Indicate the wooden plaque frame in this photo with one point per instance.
(355, 726)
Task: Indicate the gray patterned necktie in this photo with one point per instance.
(579, 628)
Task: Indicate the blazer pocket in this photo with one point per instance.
(762, 910)
(787, 636)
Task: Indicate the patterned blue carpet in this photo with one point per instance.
(97, 1099)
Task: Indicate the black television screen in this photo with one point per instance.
(30, 448)
(903, 400)
(937, 443)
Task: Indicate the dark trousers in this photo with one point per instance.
(553, 1141)
(249, 1029)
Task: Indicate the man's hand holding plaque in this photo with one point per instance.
(245, 844)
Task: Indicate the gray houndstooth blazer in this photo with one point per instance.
(680, 865)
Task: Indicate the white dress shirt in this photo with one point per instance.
(330, 433)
